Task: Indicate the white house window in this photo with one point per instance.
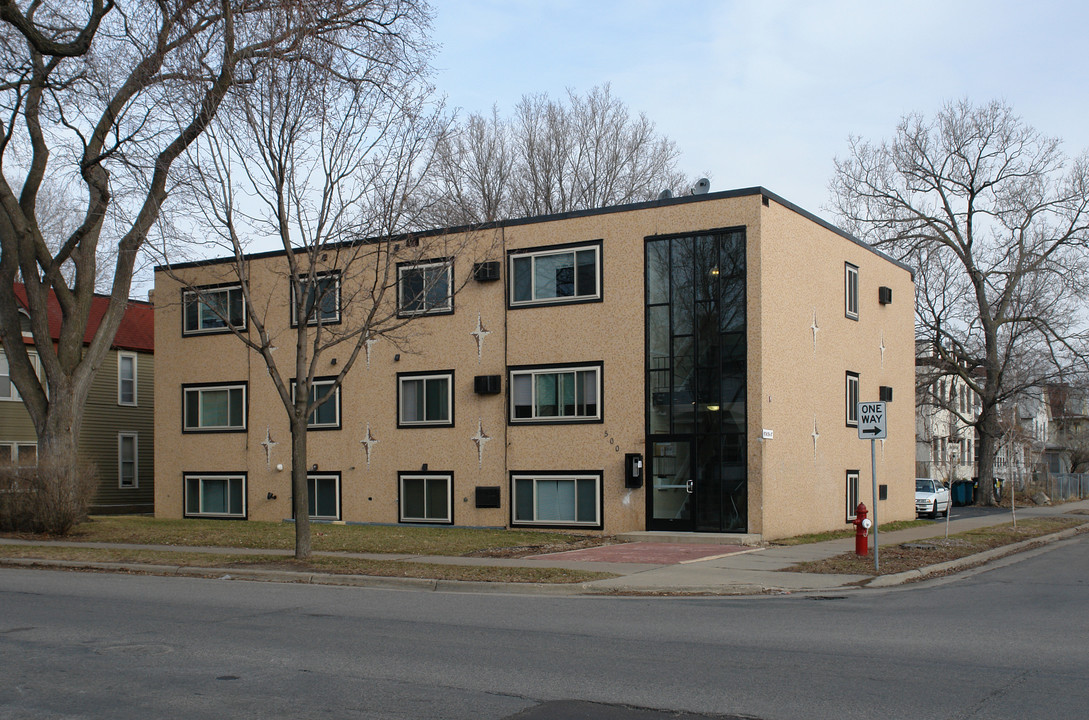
(322, 303)
(323, 494)
(556, 275)
(215, 495)
(127, 453)
(215, 408)
(850, 283)
(425, 400)
(425, 288)
(560, 499)
(852, 399)
(19, 454)
(213, 309)
(555, 394)
(426, 498)
(126, 379)
(852, 493)
(8, 391)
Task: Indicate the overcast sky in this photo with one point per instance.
(766, 92)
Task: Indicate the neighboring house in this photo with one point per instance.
(118, 420)
(946, 446)
(1070, 429)
(724, 338)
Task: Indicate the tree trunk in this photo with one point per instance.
(989, 434)
(299, 494)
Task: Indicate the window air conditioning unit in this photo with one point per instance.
(885, 393)
(486, 271)
(884, 295)
(486, 385)
(488, 496)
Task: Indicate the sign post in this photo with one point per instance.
(871, 426)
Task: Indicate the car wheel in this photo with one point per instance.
(934, 512)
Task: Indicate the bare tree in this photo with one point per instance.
(993, 216)
(550, 157)
(106, 96)
(329, 157)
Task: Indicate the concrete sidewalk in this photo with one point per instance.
(649, 569)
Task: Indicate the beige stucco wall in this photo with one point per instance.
(609, 332)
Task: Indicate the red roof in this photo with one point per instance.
(136, 332)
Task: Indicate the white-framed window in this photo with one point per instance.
(850, 290)
(323, 495)
(214, 408)
(425, 288)
(852, 399)
(425, 399)
(426, 498)
(215, 495)
(213, 310)
(325, 416)
(126, 378)
(128, 451)
(19, 454)
(322, 303)
(555, 394)
(8, 391)
(852, 494)
(556, 275)
(556, 499)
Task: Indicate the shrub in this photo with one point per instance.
(48, 498)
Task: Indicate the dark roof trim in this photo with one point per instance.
(680, 200)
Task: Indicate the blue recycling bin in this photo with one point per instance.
(962, 493)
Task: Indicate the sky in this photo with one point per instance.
(767, 92)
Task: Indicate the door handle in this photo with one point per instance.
(688, 486)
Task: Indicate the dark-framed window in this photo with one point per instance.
(214, 407)
(556, 274)
(325, 416)
(322, 304)
(556, 498)
(555, 394)
(852, 494)
(426, 497)
(323, 495)
(425, 399)
(215, 495)
(213, 309)
(851, 396)
(425, 288)
(850, 291)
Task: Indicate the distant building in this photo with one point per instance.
(118, 421)
(724, 339)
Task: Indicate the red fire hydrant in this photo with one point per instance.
(862, 530)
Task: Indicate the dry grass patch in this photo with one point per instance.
(334, 565)
(922, 553)
(841, 534)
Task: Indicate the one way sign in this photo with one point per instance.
(871, 421)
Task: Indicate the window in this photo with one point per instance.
(426, 497)
(425, 400)
(852, 494)
(325, 416)
(214, 408)
(213, 310)
(127, 452)
(557, 499)
(556, 275)
(323, 495)
(555, 394)
(214, 495)
(425, 288)
(322, 304)
(850, 288)
(126, 379)
(852, 399)
(8, 391)
(19, 454)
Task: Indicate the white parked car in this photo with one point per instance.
(931, 497)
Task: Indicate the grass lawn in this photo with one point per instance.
(921, 553)
(397, 539)
(840, 534)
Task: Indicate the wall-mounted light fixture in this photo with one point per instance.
(271, 496)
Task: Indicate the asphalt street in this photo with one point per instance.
(1007, 642)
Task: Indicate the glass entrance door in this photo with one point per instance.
(671, 484)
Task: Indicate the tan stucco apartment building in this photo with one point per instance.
(722, 340)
